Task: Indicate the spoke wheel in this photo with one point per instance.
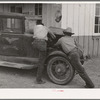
(60, 70)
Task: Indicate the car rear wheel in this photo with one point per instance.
(60, 70)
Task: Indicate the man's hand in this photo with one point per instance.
(52, 35)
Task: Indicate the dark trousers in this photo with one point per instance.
(75, 61)
(40, 45)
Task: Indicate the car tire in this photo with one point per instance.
(59, 70)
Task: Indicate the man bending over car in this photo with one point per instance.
(69, 46)
(40, 43)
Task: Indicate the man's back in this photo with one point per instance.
(40, 32)
(67, 43)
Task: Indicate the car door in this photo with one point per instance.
(10, 44)
(11, 29)
(15, 46)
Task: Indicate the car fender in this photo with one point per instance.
(55, 53)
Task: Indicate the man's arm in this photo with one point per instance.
(51, 34)
(80, 48)
(78, 45)
(58, 43)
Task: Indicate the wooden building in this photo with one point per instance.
(83, 18)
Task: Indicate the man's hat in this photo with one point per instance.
(68, 31)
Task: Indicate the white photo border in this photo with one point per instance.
(52, 93)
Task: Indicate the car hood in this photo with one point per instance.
(56, 30)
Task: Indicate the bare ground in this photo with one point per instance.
(17, 78)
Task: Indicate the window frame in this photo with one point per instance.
(97, 21)
(38, 7)
(16, 6)
(11, 29)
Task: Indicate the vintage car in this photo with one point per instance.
(16, 50)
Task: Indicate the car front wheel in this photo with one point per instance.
(60, 70)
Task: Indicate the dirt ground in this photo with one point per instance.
(17, 78)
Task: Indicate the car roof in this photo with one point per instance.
(9, 14)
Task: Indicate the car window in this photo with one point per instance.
(9, 25)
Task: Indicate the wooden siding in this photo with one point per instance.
(29, 9)
(80, 17)
(1, 8)
(48, 16)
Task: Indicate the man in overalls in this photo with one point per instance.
(69, 46)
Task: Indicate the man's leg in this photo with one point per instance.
(40, 68)
(75, 61)
(42, 54)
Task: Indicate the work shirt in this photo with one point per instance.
(67, 43)
(40, 32)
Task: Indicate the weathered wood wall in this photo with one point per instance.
(48, 16)
(81, 18)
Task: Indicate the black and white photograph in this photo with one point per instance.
(50, 45)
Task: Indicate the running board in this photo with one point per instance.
(16, 65)
(20, 60)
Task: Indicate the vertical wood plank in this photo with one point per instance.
(87, 28)
(1, 7)
(95, 47)
(48, 10)
(99, 47)
(81, 23)
(91, 29)
(76, 19)
(52, 18)
(70, 16)
(90, 46)
(86, 45)
(47, 21)
(6, 8)
(64, 15)
(44, 16)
